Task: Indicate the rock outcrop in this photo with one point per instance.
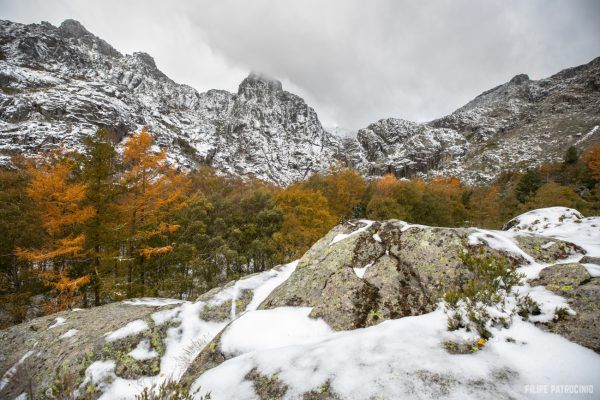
(363, 278)
(573, 282)
(390, 270)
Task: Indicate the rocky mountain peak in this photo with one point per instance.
(73, 28)
(145, 58)
(256, 83)
(519, 79)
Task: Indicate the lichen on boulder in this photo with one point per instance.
(55, 359)
(583, 296)
(346, 301)
(547, 250)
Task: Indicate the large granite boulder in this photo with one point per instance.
(364, 272)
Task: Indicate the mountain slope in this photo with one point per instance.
(59, 84)
(519, 124)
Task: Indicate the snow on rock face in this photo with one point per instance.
(402, 358)
(540, 220)
(132, 328)
(561, 223)
(61, 84)
(287, 326)
(70, 333)
(187, 334)
(143, 351)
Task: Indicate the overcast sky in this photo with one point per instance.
(353, 61)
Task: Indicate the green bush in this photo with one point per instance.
(489, 280)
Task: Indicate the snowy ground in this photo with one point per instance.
(394, 359)
(185, 342)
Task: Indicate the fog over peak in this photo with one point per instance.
(354, 62)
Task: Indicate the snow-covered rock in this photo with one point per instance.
(315, 329)
(561, 223)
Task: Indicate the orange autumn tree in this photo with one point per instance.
(484, 206)
(154, 191)
(383, 203)
(344, 189)
(306, 219)
(59, 205)
(592, 159)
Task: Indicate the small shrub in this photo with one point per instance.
(560, 314)
(526, 306)
(168, 390)
(490, 280)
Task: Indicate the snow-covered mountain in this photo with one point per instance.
(517, 125)
(59, 84)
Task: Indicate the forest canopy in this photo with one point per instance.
(102, 225)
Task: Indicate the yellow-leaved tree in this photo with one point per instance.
(592, 159)
(154, 192)
(58, 202)
(306, 218)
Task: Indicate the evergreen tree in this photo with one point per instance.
(571, 155)
(99, 168)
(20, 228)
(529, 183)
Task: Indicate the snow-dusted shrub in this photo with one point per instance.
(168, 390)
(479, 301)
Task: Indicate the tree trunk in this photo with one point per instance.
(96, 277)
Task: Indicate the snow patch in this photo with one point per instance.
(58, 322)
(142, 351)
(499, 240)
(160, 317)
(70, 333)
(592, 269)
(132, 328)
(342, 236)
(268, 329)
(360, 272)
(561, 223)
(153, 302)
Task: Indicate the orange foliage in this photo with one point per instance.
(592, 160)
(305, 220)
(58, 202)
(386, 183)
(155, 190)
(66, 287)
